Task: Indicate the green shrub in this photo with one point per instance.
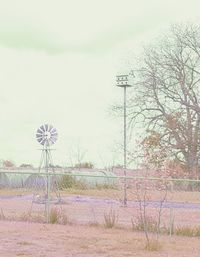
(69, 181)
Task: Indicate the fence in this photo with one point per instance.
(164, 203)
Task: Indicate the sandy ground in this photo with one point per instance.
(46, 240)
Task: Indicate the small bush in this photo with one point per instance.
(110, 219)
(63, 219)
(81, 185)
(152, 226)
(139, 224)
(26, 217)
(197, 231)
(153, 245)
(54, 216)
(58, 216)
(93, 224)
(66, 181)
(38, 218)
(69, 181)
(188, 231)
(188, 186)
(86, 165)
(2, 215)
(105, 186)
(29, 217)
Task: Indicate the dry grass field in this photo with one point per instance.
(90, 205)
(84, 234)
(47, 240)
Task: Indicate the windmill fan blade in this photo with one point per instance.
(43, 141)
(39, 131)
(50, 128)
(40, 140)
(39, 134)
(54, 135)
(53, 131)
(53, 140)
(42, 128)
(46, 127)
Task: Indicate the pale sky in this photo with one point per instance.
(58, 61)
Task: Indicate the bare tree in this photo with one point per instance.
(147, 191)
(8, 164)
(166, 96)
(76, 155)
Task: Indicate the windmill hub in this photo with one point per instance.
(46, 135)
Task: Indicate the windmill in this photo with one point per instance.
(44, 182)
(46, 135)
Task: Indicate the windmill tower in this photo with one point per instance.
(46, 184)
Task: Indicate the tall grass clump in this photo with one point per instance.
(29, 217)
(54, 216)
(58, 216)
(2, 215)
(187, 231)
(153, 245)
(110, 219)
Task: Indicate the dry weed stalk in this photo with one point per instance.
(110, 219)
(143, 189)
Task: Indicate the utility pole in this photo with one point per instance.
(122, 81)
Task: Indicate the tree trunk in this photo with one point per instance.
(192, 164)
